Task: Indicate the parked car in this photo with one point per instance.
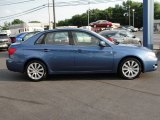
(22, 36)
(5, 41)
(63, 51)
(130, 28)
(121, 36)
(13, 39)
(141, 29)
(101, 23)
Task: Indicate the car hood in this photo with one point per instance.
(131, 47)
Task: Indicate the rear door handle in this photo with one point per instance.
(46, 50)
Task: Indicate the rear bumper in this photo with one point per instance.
(14, 66)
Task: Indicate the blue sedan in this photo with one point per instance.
(63, 51)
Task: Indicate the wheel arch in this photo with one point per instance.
(126, 57)
(35, 59)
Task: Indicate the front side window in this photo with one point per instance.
(82, 38)
(57, 38)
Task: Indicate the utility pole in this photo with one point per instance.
(88, 13)
(49, 21)
(54, 16)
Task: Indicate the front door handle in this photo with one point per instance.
(79, 50)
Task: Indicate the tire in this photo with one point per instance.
(130, 68)
(140, 43)
(36, 70)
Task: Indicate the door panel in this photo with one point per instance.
(89, 56)
(93, 58)
(57, 52)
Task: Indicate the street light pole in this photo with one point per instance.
(133, 10)
(54, 16)
(88, 13)
(129, 15)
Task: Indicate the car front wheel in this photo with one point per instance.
(36, 70)
(130, 68)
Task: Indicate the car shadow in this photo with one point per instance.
(76, 77)
(7, 75)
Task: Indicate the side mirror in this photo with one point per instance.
(102, 44)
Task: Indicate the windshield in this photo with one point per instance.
(126, 33)
(129, 34)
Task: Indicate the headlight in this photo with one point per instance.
(151, 54)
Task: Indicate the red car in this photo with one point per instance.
(101, 23)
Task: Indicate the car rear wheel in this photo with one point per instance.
(130, 68)
(36, 70)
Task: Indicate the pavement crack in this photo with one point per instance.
(21, 100)
(135, 90)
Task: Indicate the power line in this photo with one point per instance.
(58, 4)
(23, 13)
(41, 6)
(13, 3)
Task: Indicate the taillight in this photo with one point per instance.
(109, 38)
(14, 40)
(11, 51)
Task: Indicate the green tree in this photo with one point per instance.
(34, 22)
(114, 14)
(17, 21)
(6, 26)
(157, 10)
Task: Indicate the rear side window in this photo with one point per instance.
(57, 38)
(40, 40)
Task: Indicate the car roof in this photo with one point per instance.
(67, 29)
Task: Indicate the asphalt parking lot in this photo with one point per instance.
(79, 97)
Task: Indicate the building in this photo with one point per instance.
(26, 27)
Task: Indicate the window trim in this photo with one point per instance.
(45, 34)
(74, 43)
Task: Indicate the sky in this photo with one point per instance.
(43, 14)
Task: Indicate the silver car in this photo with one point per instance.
(5, 41)
(121, 36)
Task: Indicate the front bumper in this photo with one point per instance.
(151, 65)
